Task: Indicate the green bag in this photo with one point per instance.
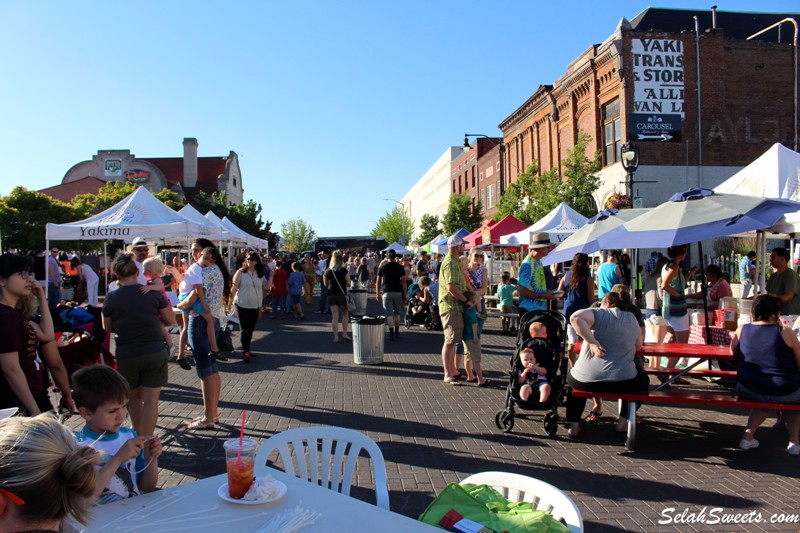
(483, 504)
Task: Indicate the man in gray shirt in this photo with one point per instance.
(784, 282)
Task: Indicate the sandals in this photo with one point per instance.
(246, 357)
(183, 362)
(486, 383)
(594, 416)
(200, 418)
(451, 381)
(200, 424)
(218, 356)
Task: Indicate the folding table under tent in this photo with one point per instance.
(559, 223)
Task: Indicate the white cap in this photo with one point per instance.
(454, 241)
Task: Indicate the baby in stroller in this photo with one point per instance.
(418, 309)
(535, 365)
(532, 373)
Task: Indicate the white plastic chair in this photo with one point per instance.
(543, 496)
(326, 456)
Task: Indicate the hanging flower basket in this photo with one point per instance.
(619, 200)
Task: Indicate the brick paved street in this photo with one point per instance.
(432, 434)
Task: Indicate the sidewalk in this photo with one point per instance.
(432, 434)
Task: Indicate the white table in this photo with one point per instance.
(197, 507)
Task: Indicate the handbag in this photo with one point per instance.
(348, 296)
(224, 339)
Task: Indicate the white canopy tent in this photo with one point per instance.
(239, 239)
(252, 241)
(196, 216)
(560, 223)
(774, 174)
(397, 247)
(140, 214)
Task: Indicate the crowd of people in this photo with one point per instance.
(106, 461)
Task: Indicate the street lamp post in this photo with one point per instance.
(630, 162)
(402, 219)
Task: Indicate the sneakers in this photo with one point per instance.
(793, 449)
(752, 445)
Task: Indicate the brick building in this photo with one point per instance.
(187, 175)
(476, 171)
(641, 84)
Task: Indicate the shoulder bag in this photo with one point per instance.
(351, 300)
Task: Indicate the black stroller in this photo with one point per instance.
(417, 312)
(550, 355)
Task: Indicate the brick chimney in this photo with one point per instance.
(189, 162)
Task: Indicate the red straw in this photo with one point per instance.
(241, 436)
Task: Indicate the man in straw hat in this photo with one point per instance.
(452, 286)
(532, 288)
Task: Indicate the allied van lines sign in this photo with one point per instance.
(657, 90)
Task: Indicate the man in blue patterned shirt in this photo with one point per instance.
(532, 288)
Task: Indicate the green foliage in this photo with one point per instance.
(246, 215)
(394, 226)
(461, 215)
(297, 235)
(23, 216)
(428, 228)
(534, 195)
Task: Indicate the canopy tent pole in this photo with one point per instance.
(47, 270)
(703, 292)
(108, 264)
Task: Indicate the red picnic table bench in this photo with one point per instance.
(697, 398)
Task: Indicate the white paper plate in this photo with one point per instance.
(223, 493)
(5, 413)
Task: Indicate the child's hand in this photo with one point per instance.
(154, 448)
(130, 449)
(476, 340)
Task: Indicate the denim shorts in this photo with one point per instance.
(205, 365)
(793, 397)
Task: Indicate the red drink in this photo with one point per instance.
(240, 460)
(240, 476)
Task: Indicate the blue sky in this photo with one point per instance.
(331, 106)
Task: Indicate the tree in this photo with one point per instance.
(394, 226)
(113, 193)
(428, 228)
(246, 215)
(536, 193)
(297, 235)
(23, 215)
(582, 179)
(460, 214)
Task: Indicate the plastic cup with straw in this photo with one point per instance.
(240, 457)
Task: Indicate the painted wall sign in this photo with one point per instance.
(137, 175)
(658, 93)
(113, 167)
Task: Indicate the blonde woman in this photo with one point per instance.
(337, 280)
(45, 476)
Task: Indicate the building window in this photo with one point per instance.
(497, 166)
(481, 176)
(611, 132)
(489, 196)
(454, 186)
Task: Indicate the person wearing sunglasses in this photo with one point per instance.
(250, 283)
(45, 477)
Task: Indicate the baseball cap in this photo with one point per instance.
(454, 241)
(391, 253)
(139, 241)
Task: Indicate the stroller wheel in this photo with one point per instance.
(407, 323)
(551, 424)
(429, 325)
(504, 420)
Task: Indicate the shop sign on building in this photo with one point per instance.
(113, 168)
(658, 77)
(137, 175)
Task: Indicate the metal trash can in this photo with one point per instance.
(360, 296)
(368, 334)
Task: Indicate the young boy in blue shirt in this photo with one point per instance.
(472, 342)
(130, 463)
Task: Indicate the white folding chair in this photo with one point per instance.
(543, 496)
(326, 456)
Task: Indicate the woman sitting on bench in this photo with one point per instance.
(769, 368)
(606, 363)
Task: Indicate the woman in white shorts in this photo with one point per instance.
(673, 297)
